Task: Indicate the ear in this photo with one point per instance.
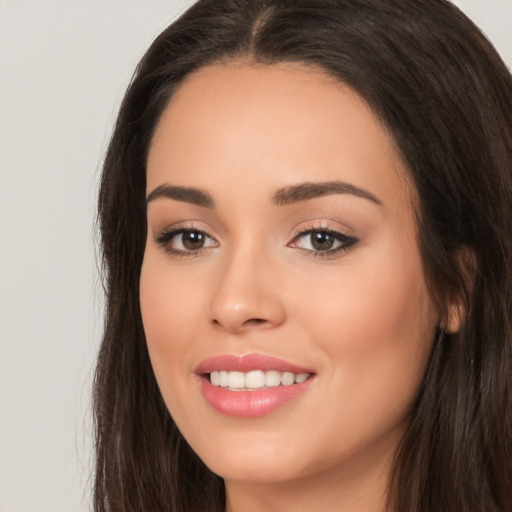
(458, 305)
(455, 315)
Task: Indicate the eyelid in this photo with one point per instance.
(165, 236)
(189, 225)
(346, 242)
(322, 225)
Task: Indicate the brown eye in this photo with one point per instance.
(193, 240)
(185, 242)
(321, 240)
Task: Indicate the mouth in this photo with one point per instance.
(251, 385)
(255, 379)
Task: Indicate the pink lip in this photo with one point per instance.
(246, 363)
(249, 404)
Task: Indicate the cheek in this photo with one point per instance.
(376, 323)
(169, 315)
(371, 311)
(168, 302)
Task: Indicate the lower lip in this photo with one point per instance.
(250, 404)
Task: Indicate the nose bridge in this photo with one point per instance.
(246, 295)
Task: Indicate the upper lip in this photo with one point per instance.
(247, 363)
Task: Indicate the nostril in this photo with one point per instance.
(242, 326)
(254, 321)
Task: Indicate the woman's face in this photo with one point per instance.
(281, 261)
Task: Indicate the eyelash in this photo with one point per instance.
(346, 242)
(164, 239)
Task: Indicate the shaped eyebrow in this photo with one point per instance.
(306, 191)
(185, 194)
(282, 197)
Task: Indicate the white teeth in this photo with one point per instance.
(224, 379)
(301, 377)
(215, 378)
(255, 379)
(236, 380)
(287, 379)
(272, 379)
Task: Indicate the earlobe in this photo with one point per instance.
(455, 317)
(457, 308)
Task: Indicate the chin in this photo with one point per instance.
(254, 469)
(252, 458)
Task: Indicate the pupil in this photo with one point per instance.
(193, 240)
(322, 241)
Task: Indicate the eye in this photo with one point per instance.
(323, 242)
(184, 242)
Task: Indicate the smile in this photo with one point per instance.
(255, 379)
(251, 385)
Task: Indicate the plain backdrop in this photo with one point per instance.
(64, 65)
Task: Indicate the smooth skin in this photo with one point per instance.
(246, 275)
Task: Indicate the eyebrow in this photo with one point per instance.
(306, 191)
(282, 197)
(185, 194)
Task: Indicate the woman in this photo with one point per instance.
(306, 227)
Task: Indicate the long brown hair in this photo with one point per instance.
(445, 96)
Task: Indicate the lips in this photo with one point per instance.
(246, 363)
(251, 385)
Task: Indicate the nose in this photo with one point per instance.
(247, 294)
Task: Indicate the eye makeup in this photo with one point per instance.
(318, 241)
(323, 241)
(184, 241)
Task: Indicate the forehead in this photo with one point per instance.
(286, 122)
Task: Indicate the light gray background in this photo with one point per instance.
(64, 66)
